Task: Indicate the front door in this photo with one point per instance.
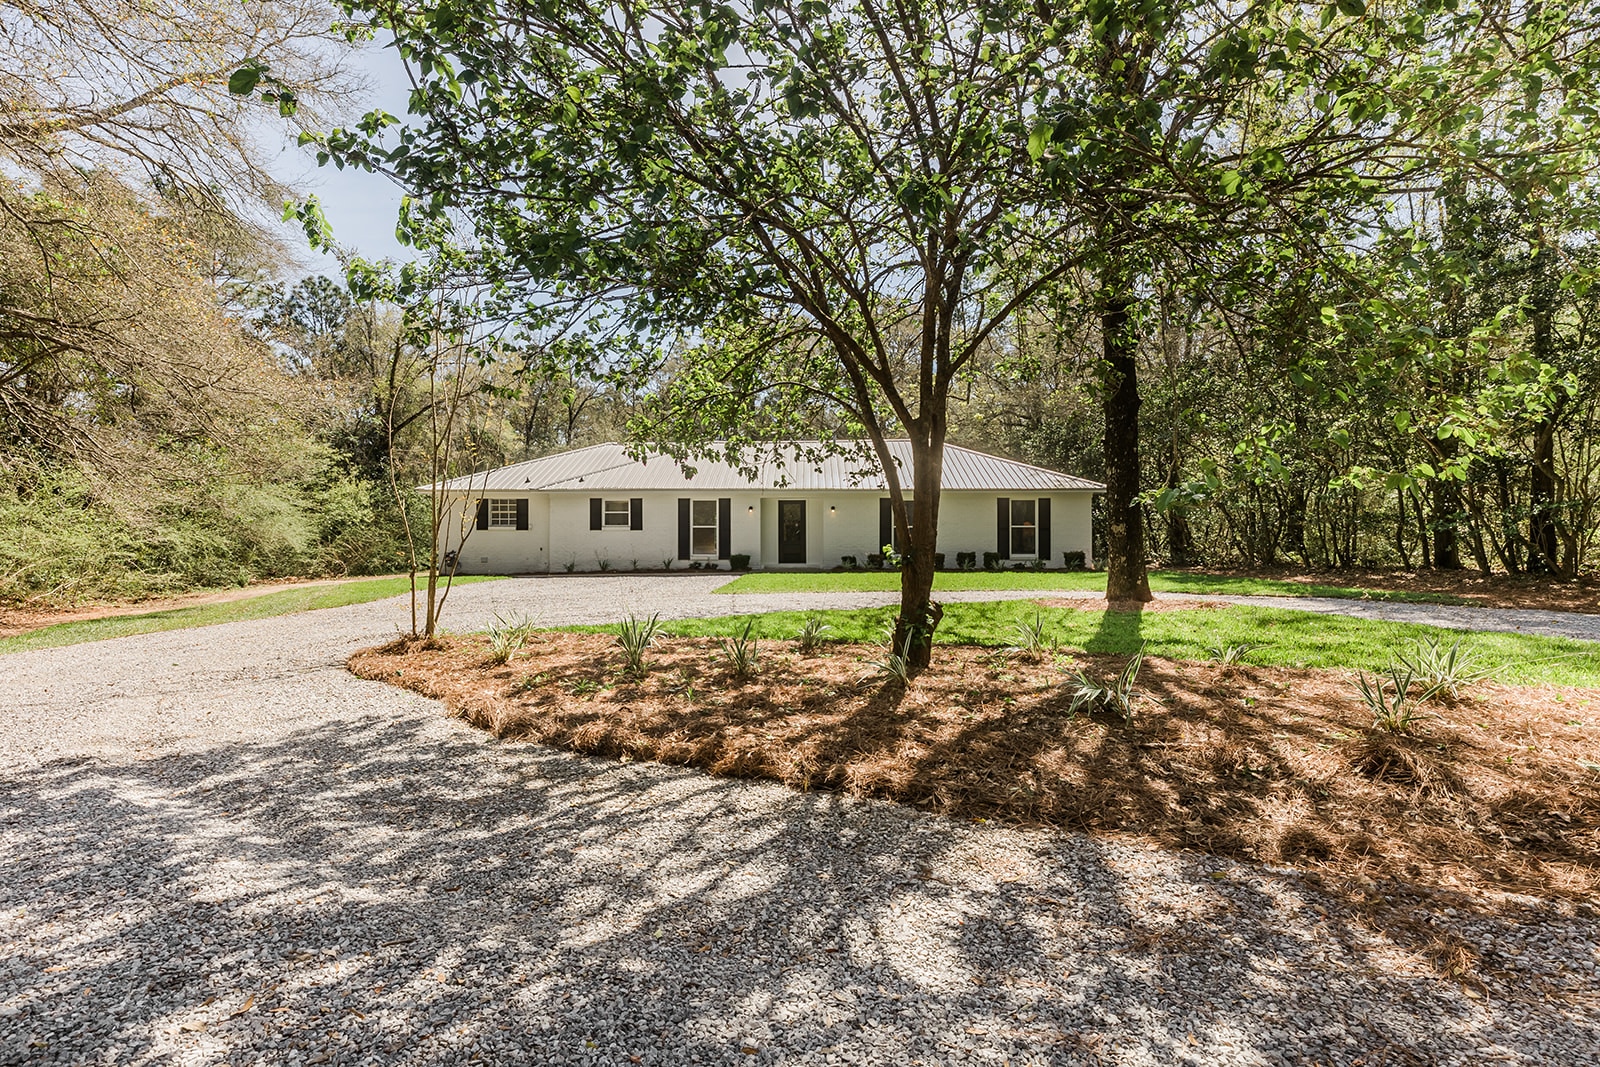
(791, 531)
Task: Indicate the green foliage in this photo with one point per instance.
(507, 636)
(634, 637)
(740, 651)
(1442, 670)
(894, 665)
(66, 538)
(1232, 655)
(1118, 697)
(812, 633)
(1032, 637)
(1388, 698)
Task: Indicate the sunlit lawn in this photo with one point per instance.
(1287, 638)
(305, 598)
(1089, 581)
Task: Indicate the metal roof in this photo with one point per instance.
(801, 466)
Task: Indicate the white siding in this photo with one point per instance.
(837, 524)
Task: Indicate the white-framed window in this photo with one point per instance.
(1024, 528)
(703, 528)
(618, 513)
(502, 514)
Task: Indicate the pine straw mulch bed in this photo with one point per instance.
(1497, 794)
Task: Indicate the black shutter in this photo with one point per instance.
(483, 514)
(683, 527)
(1044, 528)
(636, 513)
(724, 527)
(1002, 528)
(596, 513)
(522, 514)
(885, 524)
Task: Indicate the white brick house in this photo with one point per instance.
(597, 505)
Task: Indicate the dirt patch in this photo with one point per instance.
(1484, 590)
(1498, 794)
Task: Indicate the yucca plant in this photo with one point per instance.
(507, 636)
(634, 637)
(893, 666)
(1388, 697)
(741, 650)
(1031, 638)
(1119, 696)
(1233, 655)
(1440, 670)
(810, 636)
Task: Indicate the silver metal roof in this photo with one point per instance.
(609, 467)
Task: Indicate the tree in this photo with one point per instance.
(828, 212)
(1188, 133)
(816, 207)
(159, 86)
(445, 340)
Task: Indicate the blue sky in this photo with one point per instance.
(360, 206)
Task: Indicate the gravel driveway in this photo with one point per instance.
(219, 847)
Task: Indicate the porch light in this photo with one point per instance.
(751, 510)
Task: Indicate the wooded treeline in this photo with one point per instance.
(1328, 269)
(172, 414)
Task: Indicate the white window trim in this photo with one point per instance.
(714, 527)
(606, 522)
(502, 513)
(1015, 526)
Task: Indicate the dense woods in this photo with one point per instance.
(1313, 285)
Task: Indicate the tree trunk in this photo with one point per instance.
(1400, 529)
(1180, 538)
(1422, 527)
(1294, 521)
(1511, 553)
(1447, 513)
(1543, 542)
(919, 616)
(1126, 576)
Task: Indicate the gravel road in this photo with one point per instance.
(219, 847)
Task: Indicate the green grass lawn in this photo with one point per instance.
(1092, 581)
(307, 598)
(1288, 638)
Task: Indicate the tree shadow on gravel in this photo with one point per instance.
(370, 891)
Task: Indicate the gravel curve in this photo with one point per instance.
(220, 847)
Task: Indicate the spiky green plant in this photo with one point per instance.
(634, 637)
(894, 665)
(1440, 670)
(1119, 696)
(1031, 637)
(1388, 697)
(507, 636)
(811, 632)
(1233, 655)
(742, 650)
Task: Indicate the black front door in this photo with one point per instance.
(791, 531)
